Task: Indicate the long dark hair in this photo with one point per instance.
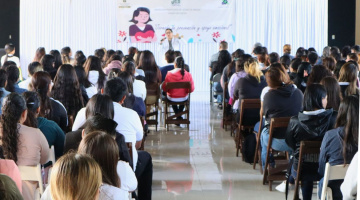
(103, 148)
(66, 89)
(57, 57)
(348, 117)
(333, 92)
(9, 47)
(40, 52)
(348, 73)
(223, 60)
(180, 63)
(148, 64)
(318, 72)
(48, 62)
(128, 79)
(40, 82)
(93, 63)
(313, 96)
(14, 106)
(100, 104)
(12, 77)
(32, 103)
(80, 58)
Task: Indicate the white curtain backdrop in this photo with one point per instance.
(90, 24)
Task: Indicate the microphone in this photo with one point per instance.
(162, 39)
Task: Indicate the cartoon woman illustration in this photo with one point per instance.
(141, 31)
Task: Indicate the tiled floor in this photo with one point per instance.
(201, 163)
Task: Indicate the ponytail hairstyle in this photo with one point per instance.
(32, 103)
(9, 47)
(180, 63)
(40, 82)
(348, 73)
(234, 57)
(40, 52)
(348, 117)
(13, 107)
(65, 55)
(12, 77)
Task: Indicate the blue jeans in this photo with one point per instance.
(277, 144)
(217, 88)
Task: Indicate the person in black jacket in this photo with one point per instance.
(303, 73)
(282, 100)
(250, 87)
(309, 124)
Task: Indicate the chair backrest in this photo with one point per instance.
(52, 155)
(248, 104)
(178, 85)
(32, 173)
(336, 172)
(153, 89)
(216, 77)
(279, 122)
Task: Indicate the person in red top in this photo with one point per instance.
(178, 74)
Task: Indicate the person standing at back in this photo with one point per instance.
(10, 56)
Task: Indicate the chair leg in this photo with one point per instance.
(270, 185)
(237, 138)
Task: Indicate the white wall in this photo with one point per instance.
(89, 24)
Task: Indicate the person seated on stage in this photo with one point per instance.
(139, 88)
(282, 100)
(179, 74)
(214, 58)
(32, 68)
(340, 144)
(170, 58)
(148, 64)
(223, 60)
(309, 125)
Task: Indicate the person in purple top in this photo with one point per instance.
(140, 31)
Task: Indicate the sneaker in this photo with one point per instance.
(282, 187)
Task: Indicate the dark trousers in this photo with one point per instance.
(144, 174)
(178, 108)
(306, 186)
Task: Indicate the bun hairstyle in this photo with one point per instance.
(65, 55)
(180, 63)
(9, 47)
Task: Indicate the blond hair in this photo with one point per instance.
(287, 48)
(252, 67)
(75, 177)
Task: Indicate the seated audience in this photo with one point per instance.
(333, 92)
(25, 145)
(148, 64)
(223, 60)
(294, 65)
(285, 60)
(10, 169)
(318, 72)
(81, 76)
(32, 68)
(94, 73)
(12, 73)
(352, 56)
(40, 52)
(98, 110)
(139, 88)
(229, 70)
(3, 91)
(52, 132)
(309, 125)
(66, 89)
(80, 59)
(303, 73)
(282, 100)
(287, 51)
(170, 58)
(66, 56)
(349, 186)
(113, 62)
(50, 109)
(177, 54)
(75, 177)
(338, 66)
(57, 57)
(348, 79)
(329, 63)
(178, 75)
(250, 87)
(8, 189)
(340, 144)
(312, 58)
(118, 175)
(48, 63)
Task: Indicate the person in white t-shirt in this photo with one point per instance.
(32, 68)
(10, 56)
(139, 88)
